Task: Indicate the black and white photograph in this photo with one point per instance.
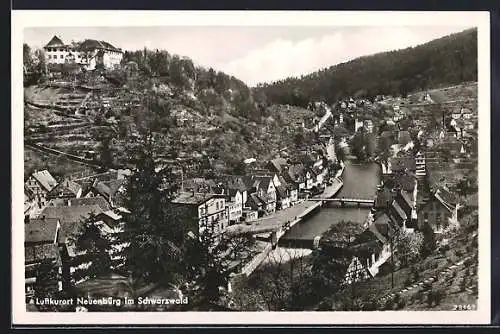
(276, 167)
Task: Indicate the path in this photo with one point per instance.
(292, 214)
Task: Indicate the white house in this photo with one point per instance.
(39, 184)
(202, 211)
(89, 53)
(234, 206)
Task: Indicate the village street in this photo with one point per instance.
(290, 215)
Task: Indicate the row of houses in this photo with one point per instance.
(397, 208)
(54, 215)
(235, 199)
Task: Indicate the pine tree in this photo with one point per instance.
(95, 247)
(46, 286)
(152, 229)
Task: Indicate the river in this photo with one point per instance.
(360, 181)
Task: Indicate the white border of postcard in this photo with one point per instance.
(23, 19)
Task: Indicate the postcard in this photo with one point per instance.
(244, 167)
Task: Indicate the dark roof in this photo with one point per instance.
(282, 191)
(367, 243)
(190, 198)
(70, 213)
(278, 164)
(402, 163)
(263, 181)
(385, 226)
(233, 192)
(40, 230)
(384, 197)
(235, 182)
(97, 200)
(295, 173)
(45, 179)
(55, 41)
(67, 187)
(40, 252)
(90, 44)
(201, 185)
(406, 199)
(446, 198)
(405, 181)
(255, 200)
(399, 213)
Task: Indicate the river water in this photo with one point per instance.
(360, 182)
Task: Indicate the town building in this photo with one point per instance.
(265, 189)
(89, 54)
(39, 184)
(41, 247)
(201, 211)
(234, 203)
(420, 167)
(440, 211)
(65, 190)
(283, 197)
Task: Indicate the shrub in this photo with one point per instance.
(401, 304)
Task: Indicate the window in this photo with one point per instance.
(61, 56)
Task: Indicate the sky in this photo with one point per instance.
(255, 54)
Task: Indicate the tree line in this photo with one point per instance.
(444, 61)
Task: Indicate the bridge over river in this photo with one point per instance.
(356, 186)
(352, 203)
(304, 222)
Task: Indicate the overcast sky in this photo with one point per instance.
(255, 54)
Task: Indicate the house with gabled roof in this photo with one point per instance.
(89, 53)
(112, 190)
(201, 211)
(66, 189)
(373, 247)
(265, 189)
(283, 197)
(234, 204)
(277, 165)
(440, 211)
(296, 174)
(41, 246)
(39, 184)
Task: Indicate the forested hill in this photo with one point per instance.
(444, 61)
